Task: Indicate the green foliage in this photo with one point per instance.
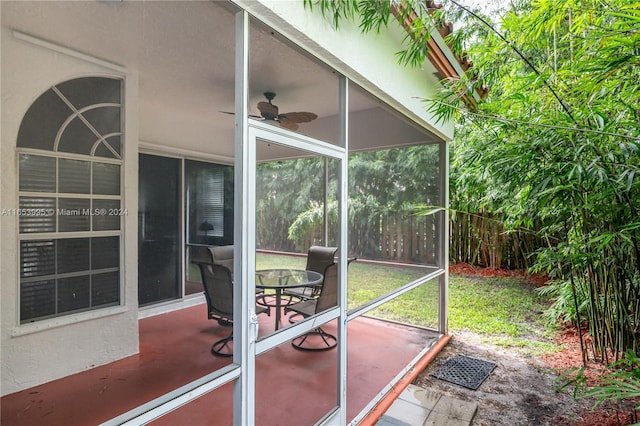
(311, 219)
(567, 307)
(623, 382)
(290, 196)
(373, 15)
(282, 195)
(338, 9)
(554, 146)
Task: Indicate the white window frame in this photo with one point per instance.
(91, 312)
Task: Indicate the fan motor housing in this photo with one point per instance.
(268, 110)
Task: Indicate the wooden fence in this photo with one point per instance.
(476, 239)
(481, 240)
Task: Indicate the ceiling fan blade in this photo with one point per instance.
(298, 117)
(233, 113)
(287, 124)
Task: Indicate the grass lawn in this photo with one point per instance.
(506, 311)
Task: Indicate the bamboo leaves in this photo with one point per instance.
(553, 146)
(562, 151)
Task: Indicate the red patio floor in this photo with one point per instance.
(292, 387)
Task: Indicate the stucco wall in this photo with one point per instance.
(46, 350)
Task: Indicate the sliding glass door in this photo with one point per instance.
(158, 229)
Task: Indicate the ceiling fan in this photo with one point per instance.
(289, 120)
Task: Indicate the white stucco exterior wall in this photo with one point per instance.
(368, 59)
(76, 342)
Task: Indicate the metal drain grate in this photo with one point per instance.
(464, 371)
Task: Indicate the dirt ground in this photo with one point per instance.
(522, 389)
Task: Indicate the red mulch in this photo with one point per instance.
(607, 414)
(571, 356)
(461, 268)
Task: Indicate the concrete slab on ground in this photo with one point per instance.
(422, 407)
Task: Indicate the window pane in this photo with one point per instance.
(47, 115)
(73, 293)
(37, 214)
(106, 215)
(82, 92)
(73, 255)
(208, 212)
(74, 176)
(105, 252)
(42, 122)
(105, 289)
(105, 119)
(37, 299)
(73, 214)
(113, 141)
(37, 173)
(82, 135)
(208, 186)
(106, 179)
(37, 258)
(77, 138)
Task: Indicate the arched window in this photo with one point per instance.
(70, 202)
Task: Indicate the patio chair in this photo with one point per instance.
(318, 258)
(223, 255)
(327, 299)
(218, 290)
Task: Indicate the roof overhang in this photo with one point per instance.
(448, 65)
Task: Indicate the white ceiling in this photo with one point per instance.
(183, 53)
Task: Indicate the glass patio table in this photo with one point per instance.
(282, 279)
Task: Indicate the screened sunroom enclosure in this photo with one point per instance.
(202, 165)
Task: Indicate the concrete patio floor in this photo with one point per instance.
(292, 387)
